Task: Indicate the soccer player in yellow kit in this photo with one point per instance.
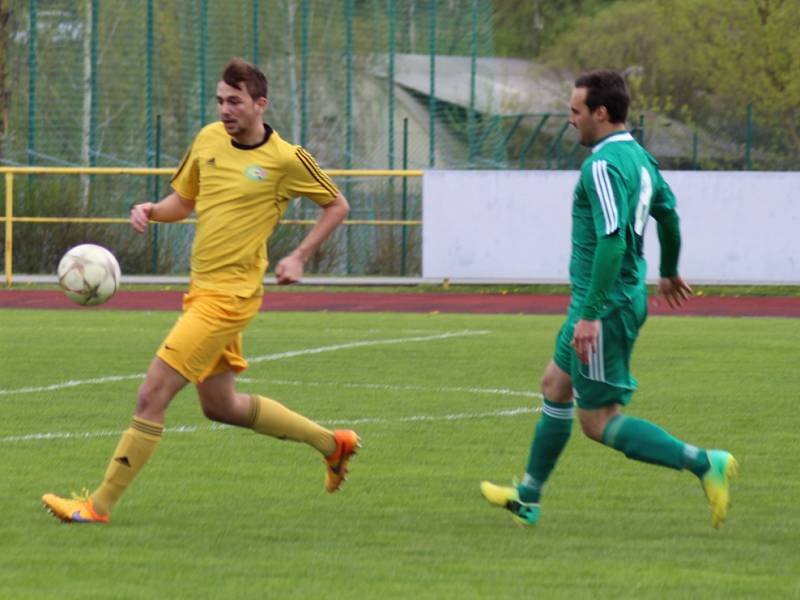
(238, 177)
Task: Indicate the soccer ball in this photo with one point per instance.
(88, 274)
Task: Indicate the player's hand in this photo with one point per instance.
(674, 290)
(289, 270)
(584, 339)
(140, 216)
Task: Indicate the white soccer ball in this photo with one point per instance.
(88, 274)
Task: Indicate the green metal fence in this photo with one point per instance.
(367, 84)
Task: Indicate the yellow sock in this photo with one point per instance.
(274, 419)
(133, 451)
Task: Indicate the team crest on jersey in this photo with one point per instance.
(255, 173)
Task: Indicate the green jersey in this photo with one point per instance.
(619, 188)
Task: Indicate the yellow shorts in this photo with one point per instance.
(207, 338)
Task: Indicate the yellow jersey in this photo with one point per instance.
(240, 193)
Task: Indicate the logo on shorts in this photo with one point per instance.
(255, 173)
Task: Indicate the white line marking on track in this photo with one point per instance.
(255, 359)
(82, 435)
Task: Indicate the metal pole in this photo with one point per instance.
(154, 239)
(748, 164)
(529, 142)
(149, 142)
(255, 31)
(203, 59)
(348, 158)
(304, 73)
(404, 243)
(473, 64)
(390, 93)
(432, 96)
(32, 34)
(9, 242)
(148, 115)
(93, 85)
(694, 151)
(392, 50)
(641, 131)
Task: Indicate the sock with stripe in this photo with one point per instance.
(644, 441)
(132, 453)
(274, 419)
(552, 433)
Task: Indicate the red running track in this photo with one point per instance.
(741, 306)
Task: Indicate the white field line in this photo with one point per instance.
(395, 388)
(424, 338)
(82, 435)
(255, 359)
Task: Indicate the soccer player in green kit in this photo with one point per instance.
(620, 186)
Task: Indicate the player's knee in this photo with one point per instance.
(217, 407)
(593, 421)
(212, 411)
(591, 429)
(151, 398)
(555, 390)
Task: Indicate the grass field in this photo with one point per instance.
(441, 402)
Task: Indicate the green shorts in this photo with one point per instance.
(607, 378)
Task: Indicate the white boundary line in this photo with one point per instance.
(255, 359)
(395, 388)
(82, 435)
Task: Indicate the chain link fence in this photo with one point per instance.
(367, 84)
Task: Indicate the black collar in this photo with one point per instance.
(267, 133)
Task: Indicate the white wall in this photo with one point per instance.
(738, 227)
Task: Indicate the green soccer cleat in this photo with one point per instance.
(507, 497)
(717, 482)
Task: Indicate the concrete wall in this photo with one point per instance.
(514, 226)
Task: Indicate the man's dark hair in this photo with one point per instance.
(606, 88)
(239, 71)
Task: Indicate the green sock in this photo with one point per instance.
(552, 433)
(642, 440)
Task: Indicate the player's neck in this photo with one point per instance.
(606, 129)
(252, 136)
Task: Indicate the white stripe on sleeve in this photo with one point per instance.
(605, 193)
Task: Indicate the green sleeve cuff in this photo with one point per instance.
(605, 270)
(669, 237)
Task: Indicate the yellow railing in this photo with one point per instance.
(9, 218)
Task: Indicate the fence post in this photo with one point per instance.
(304, 73)
(255, 32)
(93, 85)
(9, 243)
(473, 66)
(148, 85)
(390, 92)
(404, 242)
(392, 51)
(203, 59)
(154, 226)
(748, 143)
(32, 35)
(348, 150)
(432, 96)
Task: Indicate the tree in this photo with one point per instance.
(702, 58)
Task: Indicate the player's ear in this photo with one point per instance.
(262, 104)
